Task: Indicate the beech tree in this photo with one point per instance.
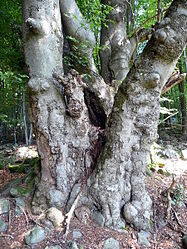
(94, 131)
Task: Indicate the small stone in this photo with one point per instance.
(3, 226)
(161, 222)
(184, 154)
(14, 192)
(143, 238)
(20, 206)
(77, 234)
(47, 223)
(98, 218)
(184, 241)
(171, 153)
(53, 247)
(130, 212)
(4, 206)
(11, 184)
(55, 216)
(111, 243)
(34, 236)
(72, 245)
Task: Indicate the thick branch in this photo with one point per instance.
(159, 7)
(174, 80)
(76, 27)
(116, 48)
(142, 35)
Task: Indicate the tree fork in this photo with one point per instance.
(115, 191)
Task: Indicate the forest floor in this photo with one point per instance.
(166, 183)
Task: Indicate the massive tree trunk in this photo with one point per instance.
(69, 120)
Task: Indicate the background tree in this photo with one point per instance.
(13, 80)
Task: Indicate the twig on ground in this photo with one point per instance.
(38, 218)
(26, 218)
(177, 218)
(6, 235)
(168, 211)
(70, 213)
(9, 219)
(155, 225)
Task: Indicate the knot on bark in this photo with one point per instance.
(40, 27)
(152, 80)
(160, 35)
(72, 88)
(165, 22)
(38, 84)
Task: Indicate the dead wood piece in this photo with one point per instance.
(177, 218)
(9, 220)
(6, 235)
(70, 213)
(169, 199)
(26, 218)
(155, 226)
(175, 79)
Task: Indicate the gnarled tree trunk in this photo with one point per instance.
(69, 116)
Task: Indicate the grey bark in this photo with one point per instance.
(68, 142)
(63, 132)
(183, 100)
(76, 27)
(118, 183)
(116, 48)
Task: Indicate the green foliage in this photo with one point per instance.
(19, 168)
(146, 12)
(2, 164)
(11, 94)
(178, 194)
(12, 77)
(34, 167)
(95, 13)
(77, 55)
(171, 109)
(10, 35)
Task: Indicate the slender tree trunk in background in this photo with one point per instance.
(183, 101)
(30, 134)
(15, 121)
(25, 118)
(159, 8)
(68, 140)
(15, 136)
